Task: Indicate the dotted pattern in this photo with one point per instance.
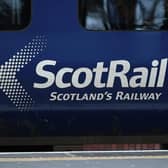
(8, 81)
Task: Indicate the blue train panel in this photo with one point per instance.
(83, 68)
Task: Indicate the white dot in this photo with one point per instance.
(155, 63)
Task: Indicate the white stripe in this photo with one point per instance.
(86, 152)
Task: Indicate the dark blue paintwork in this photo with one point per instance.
(71, 45)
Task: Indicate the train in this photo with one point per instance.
(83, 72)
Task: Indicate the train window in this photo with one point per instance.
(124, 14)
(14, 14)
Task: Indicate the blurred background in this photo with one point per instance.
(14, 13)
(124, 14)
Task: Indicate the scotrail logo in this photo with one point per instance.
(9, 83)
(142, 77)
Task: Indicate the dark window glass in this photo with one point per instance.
(124, 14)
(14, 14)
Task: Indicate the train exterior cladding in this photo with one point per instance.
(59, 79)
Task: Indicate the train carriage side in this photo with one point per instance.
(74, 72)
